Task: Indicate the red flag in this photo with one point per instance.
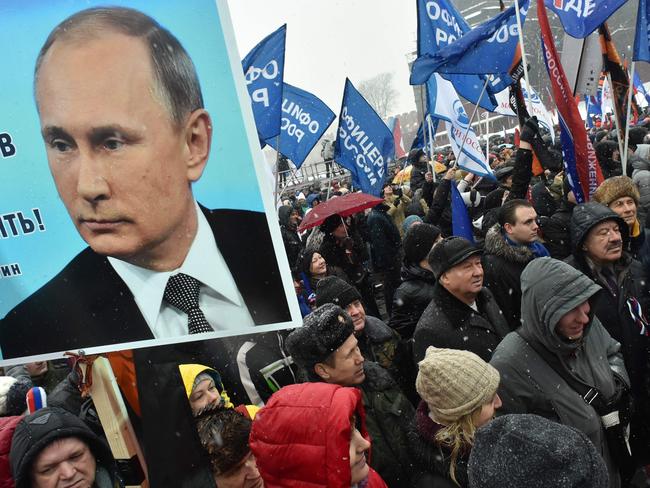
(397, 136)
(579, 156)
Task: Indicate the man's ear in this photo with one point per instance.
(198, 139)
(507, 227)
(322, 371)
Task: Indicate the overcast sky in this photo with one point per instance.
(329, 40)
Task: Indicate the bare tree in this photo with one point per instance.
(380, 92)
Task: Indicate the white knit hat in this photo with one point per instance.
(6, 382)
(454, 383)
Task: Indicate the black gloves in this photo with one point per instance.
(530, 130)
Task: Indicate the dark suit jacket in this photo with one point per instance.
(87, 304)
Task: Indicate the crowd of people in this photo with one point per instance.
(519, 357)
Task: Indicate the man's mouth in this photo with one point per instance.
(101, 225)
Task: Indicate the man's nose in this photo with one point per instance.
(66, 470)
(92, 180)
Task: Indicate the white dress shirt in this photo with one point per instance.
(219, 298)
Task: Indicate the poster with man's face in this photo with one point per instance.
(135, 210)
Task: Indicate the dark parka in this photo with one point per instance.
(292, 243)
(550, 289)
(449, 323)
(502, 267)
(612, 310)
(385, 239)
(411, 298)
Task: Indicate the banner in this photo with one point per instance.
(305, 118)
(580, 160)
(606, 99)
(581, 17)
(642, 36)
(264, 72)
(488, 48)
(78, 235)
(440, 24)
(364, 144)
(444, 104)
(538, 110)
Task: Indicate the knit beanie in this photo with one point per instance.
(454, 383)
(531, 451)
(418, 241)
(409, 222)
(616, 187)
(12, 395)
(323, 332)
(224, 436)
(332, 289)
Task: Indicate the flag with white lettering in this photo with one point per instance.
(264, 73)
(440, 24)
(581, 17)
(580, 163)
(305, 118)
(444, 104)
(642, 36)
(364, 143)
(488, 48)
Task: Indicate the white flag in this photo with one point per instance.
(607, 102)
(444, 104)
(537, 109)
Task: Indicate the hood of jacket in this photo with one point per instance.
(587, 215)
(413, 272)
(302, 436)
(549, 289)
(495, 243)
(284, 212)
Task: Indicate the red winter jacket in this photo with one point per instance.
(301, 438)
(7, 427)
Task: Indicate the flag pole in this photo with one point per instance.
(618, 129)
(627, 120)
(487, 137)
(277, 169)
(523, 55)
(471, 119)
(430, 131)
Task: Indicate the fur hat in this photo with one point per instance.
(616, 187)
(323, 332)
(224, 436)
(418, 242)
(528, 450)
(454, 383)
(332, 289)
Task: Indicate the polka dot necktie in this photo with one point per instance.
(182, 291)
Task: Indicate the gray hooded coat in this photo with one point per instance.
(550, 289)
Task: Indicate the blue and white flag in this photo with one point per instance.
(419, 141)
(640, 88)
(461, 224)
(581, 17)
(305, 118)
(445, 105)
(364, 144)
(264, 73)
(488, 48)
(439, 24)
(593, 108)
(642, 36)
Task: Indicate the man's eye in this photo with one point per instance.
(113, 144)
(59, 145)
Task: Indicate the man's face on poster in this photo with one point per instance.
(122, 167)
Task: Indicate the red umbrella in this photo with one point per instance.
(346, 205)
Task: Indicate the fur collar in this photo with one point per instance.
(495, 243)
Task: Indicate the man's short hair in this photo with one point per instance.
(508, 211)
(176, 83)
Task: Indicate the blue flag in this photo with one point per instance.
(440, 24)
(640, 88)
(364, 144)
(264, 72)
(461, 224)
(593, 109)
(488, 48)
(642, 37)
(305, 118)
(581, 17)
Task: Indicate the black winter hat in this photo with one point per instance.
(636, 135)
(322, 333)
(331, 223)
(332, 289)
(418, 242)
(531, 451)
(38, 430)
(415, 154)
(449, 252)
